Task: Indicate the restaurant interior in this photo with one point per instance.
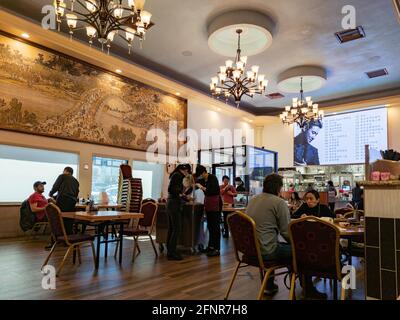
(118, 118)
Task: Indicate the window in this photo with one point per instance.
(152, 175)
(105, 175)
(21, 167)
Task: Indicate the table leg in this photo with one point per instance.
(121, 237)
(98, 247)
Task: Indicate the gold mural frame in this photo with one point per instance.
(123, 79)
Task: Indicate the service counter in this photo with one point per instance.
(193, 228)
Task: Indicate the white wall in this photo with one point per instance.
(277, 137)
(204, 117)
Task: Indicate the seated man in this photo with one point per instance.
(272, 217)
(38, 202)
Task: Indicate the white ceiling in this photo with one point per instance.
(304, 36)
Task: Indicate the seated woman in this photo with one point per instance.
(313, 207)
(294, 202)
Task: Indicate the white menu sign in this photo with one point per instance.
(342, 138)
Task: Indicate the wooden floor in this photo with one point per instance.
(196, 277)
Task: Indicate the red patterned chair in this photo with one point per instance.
(73, 241)
(316, 251)
(247, 250)
(145, 226)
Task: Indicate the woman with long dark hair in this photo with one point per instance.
(174, 209)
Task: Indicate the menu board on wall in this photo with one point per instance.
(341, 138)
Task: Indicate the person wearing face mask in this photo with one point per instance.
(304, 152)
(213, 207)
(239, 185)
(174, 210)
(313, 207)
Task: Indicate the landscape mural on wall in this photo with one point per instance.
(50, 94)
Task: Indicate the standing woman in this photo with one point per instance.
(213, 207)
(174, 210)
(331, 196)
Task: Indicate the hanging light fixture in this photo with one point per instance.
(302, 111)
(233, 80)
(105, 18)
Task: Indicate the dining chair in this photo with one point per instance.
(316, 252)
(248, 252)
(73, 241)
(144, 227)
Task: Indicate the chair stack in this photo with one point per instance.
(130, 191)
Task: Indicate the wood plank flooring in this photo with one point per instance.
(197, 277)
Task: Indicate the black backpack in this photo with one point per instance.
(26, 216)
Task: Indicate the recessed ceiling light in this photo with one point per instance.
(118, 70)
(219, 109)
(178, 93)
(25, 35)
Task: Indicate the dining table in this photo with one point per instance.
(101, 220)
(113, 207)
(350, 233)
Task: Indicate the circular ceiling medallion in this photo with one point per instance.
(313, 79)
(255, 38)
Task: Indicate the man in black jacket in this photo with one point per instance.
(67, 189)
(174, 209)
(213, 207)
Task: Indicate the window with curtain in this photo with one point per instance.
(20, 167)
(105, 174)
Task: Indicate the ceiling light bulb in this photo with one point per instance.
(91, 5)
(130, 34)
(264, 83)
(145, 16)
(282, 116)
(218, 90)
(236, 74)
(295, 100)
(71, 20)
(239, 65)
(25, 35)
(255, 69)
(243, 59)
(261, 78)
(111, 35)
(90, 31)
(140, 4)
(308, 99)
(285, 113)
(250, 75)
(118, 13)
(131, 3)
(287, 108)
(228, 63)
(222, 69)
(321, 113)
(222, 76)
(293, 111)
(214, 80)
(304, 110)
(118, 71)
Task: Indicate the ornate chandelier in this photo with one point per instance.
(302, 111)
(106, 18)
(232, 80)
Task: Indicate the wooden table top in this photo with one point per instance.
(98, 216)
(351, 230)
